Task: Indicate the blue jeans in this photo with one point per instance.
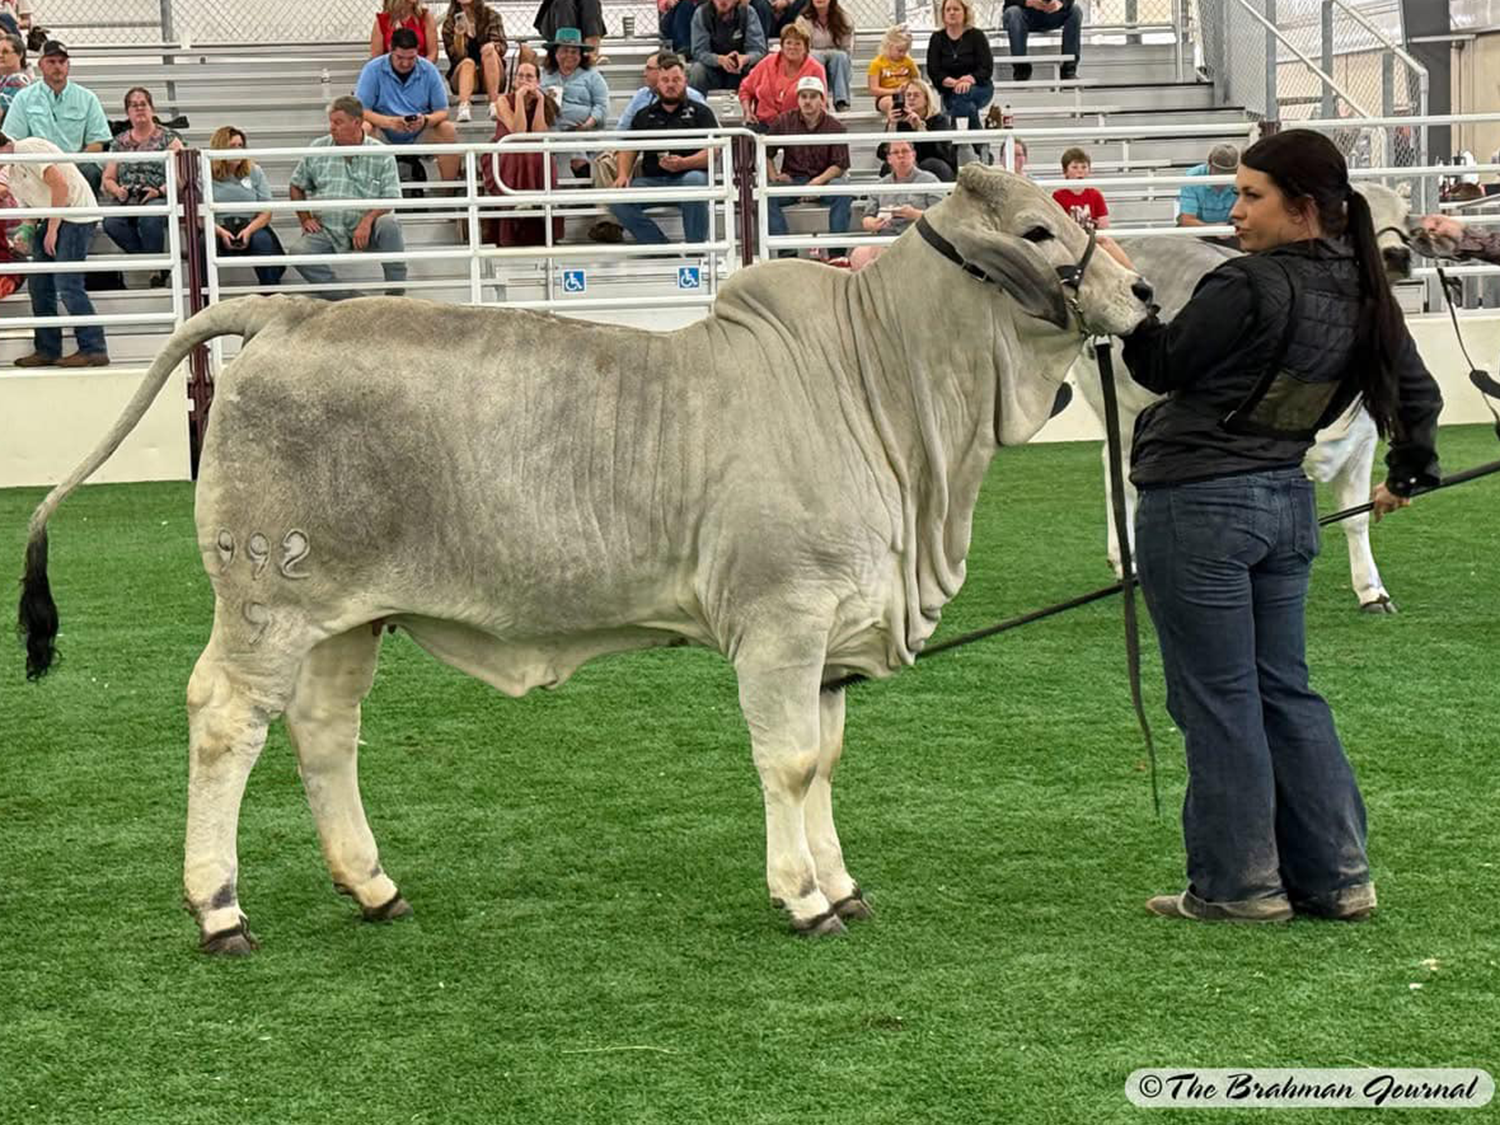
(969, 104)
(839, 207)
(632, 216)
(837, 66)
(1272, 808)
(144, 234)
(46, 288)
(706, 79)
(384, 239)
(1021, 22)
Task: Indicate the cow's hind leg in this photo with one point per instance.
(1351, 487)
(834, 880)
(779, 697)
(233, 695)
(323, 722)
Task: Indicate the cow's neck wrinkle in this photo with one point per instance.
(927, 364)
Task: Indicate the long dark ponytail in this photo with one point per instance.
(1308, 166)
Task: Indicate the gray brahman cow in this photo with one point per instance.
(1344, 453)
(790, 481)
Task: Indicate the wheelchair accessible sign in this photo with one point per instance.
(575, 281)
(689, 277)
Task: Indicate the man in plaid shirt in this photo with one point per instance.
(336, 176)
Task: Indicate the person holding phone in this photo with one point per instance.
(406, 101)
(243, 181)
(136, 184)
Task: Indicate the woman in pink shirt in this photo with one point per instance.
(770, 89)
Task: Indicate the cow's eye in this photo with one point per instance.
(1037, 234)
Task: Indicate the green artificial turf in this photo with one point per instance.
(592, 939)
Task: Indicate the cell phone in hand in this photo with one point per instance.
(411, 118)
(898, 102)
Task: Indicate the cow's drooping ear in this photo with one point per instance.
(1018, 268)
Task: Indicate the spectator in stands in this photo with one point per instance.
(15, 16)
(832, 45)
(1085, 205)
(581, 92)
(404, 97)
(412, 15)
(960, 64)
(892, 214)
(607, 166)
(1025, 17)
(671, 109)
(728, 41)
(770, 89)
(474, 37)
(1201, 205)
(893, 69)
(335, 176)
(586, 15)
(917, 112)
(243, 181)
(524, 110)
(58, 240)
(810, 164)
(784, 12)
(134, 184)
(1021, 153)
(60, 111)
(13, 76)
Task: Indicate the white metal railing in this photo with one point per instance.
(170, 261)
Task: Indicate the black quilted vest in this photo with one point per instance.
(1260, 408)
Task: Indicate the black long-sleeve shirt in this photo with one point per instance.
(969, 55)
(1215, 351)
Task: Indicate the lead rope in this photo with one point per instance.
(1103, 353)
(1482, 380)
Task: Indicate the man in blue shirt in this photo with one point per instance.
(63, 112)
(1200, 205)
(406, 100)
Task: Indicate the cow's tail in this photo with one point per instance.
(37, 622)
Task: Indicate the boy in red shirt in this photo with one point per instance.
(1087, 207)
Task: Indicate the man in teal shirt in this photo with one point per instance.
(1200, 205)
(63, 112)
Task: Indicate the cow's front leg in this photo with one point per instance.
(323, 721)
(779, 697)
(834, 880)
(1351, 487)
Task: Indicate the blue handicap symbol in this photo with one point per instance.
(689, 277)
(575, 281)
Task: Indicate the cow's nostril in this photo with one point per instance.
(1143, 290)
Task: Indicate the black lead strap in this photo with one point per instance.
(1103, 349)
(1483, 381)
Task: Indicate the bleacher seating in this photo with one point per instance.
(277, 94)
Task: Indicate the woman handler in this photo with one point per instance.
(1272, 347)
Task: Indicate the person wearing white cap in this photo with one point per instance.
(1200, 205)
(813, 164)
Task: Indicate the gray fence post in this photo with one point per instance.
(1273, 82)
(1326, 19)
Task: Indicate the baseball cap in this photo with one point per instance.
(811, 82)
(54, 49)
(1224, 158)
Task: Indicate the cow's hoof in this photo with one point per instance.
(238, 942)
(826, 924)
(1382, 604)
(853, 908)
(398, 907)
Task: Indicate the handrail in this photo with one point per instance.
(1390, 45)
(1307, 62)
